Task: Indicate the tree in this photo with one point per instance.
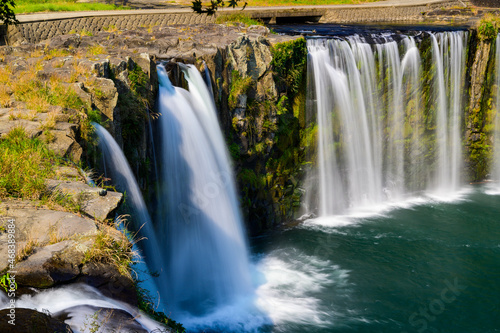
(7, 15)
(198, 7)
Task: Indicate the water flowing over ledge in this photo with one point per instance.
(375, 141)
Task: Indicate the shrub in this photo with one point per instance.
(487, 28)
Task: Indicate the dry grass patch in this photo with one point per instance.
(112, 247)
(27, 250)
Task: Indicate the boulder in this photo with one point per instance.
(32, 321)
(52, 264)
(107, 320)
(37, 227)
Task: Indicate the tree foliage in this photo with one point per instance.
(210, 9)
(7, 15)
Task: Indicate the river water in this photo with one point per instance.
(425, 265)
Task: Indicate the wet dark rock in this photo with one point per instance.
(32, 321)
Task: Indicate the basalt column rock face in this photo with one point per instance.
(259, 88)
(480, 113)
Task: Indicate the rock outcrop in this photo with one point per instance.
(32, 321)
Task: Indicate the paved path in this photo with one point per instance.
(39, 17)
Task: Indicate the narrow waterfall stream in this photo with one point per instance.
(495, 173)
(201, 228)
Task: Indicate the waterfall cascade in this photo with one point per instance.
(200, 230)
(196, 243)
(495, 174)
(449, 57)
(374, 144)
(122, 175)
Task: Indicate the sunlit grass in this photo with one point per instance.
(266, 3)
(304, 2)
(25, 163)
(34, 6)
(237, 18)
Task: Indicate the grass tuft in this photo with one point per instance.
(25, 163)
(239, 86)
(115, 250)
(231, 19)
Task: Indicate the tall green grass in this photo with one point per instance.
(34, 6)
(304, 2)
(25, 164)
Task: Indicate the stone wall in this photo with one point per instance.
(34, 32)
(486, 3)
(384, 14)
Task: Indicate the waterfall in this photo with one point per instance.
(371, 128)
(201, 232)
(449, 56)
(82, 307)
(122, 175)
(197, 244)
(495, 170)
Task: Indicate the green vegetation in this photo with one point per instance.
(234, 151)
(232, 19)
(481, 123)
(33, 6)
(212, 7)
(271, 132)
(487, 27)
(91, 323)
(25, 163)
(114, 249)
(5, 282)
(95, 50)
(134, 103)
(305, 2)
(7, 12)
(39, 95)
(289, 65)
(148, 305)
(239, 86)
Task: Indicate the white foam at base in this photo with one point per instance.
(356, 215)
(59, 299)
(288, 284)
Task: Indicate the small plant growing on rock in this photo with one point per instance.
(5, 282)
(112, 248)
(487, 28)
(239, 86)
(95, 50)
(27, 250)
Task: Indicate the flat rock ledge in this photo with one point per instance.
(52, 246)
